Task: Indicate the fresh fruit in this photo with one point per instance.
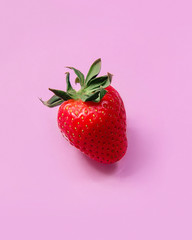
(92, 119)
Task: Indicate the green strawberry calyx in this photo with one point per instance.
(92, 87)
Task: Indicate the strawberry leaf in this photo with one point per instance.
(79, 75)
(96, 96)
(110, 77)
(53, 101)
(69, 87)
(92, 97)
(94, 70)
(101, 94)
(63, 95)
(96, 83)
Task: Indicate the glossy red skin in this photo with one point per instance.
(97, 129)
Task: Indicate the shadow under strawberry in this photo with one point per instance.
(138, 155)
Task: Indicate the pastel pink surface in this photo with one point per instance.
(48, 189)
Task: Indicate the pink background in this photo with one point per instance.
(48, 189)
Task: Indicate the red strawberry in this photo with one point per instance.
(92, 119)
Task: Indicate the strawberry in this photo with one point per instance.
(92, 119)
